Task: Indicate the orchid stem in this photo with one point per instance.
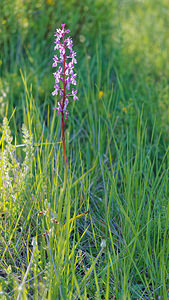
(63, 140)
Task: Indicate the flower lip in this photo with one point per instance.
(74, 95)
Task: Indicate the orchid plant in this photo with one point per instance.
(64, 76)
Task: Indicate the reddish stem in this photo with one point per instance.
(63, 138)
(62, 112)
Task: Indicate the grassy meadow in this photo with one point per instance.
(104, 235)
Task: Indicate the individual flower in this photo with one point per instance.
(100, 94)
(124, 109)
(74, 94)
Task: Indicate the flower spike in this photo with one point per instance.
(64, 76)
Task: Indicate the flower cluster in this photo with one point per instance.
(64, 76)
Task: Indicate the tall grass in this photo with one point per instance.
(106, 235)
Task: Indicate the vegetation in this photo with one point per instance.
(106, 235)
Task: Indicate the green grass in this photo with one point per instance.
(106, 235)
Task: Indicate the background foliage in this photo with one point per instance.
(117, 143)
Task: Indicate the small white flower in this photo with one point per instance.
(103, 243)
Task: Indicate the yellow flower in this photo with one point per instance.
(3, 22)
(124, 109)
(100, 94)
(50, 2)
(25, 23)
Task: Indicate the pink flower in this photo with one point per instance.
(64, 76)
(74, 95)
